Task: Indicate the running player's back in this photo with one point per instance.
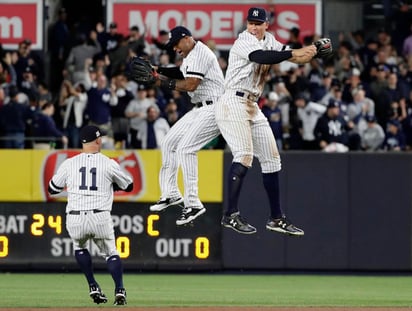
(89, 178)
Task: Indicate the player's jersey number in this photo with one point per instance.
(83, 185)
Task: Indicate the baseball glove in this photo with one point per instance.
(323, 47)
(142, 72)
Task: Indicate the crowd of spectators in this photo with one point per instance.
(358, 99)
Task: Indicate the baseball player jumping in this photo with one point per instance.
(201, 76)
(90, 178)
(243, 125)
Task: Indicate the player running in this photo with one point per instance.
(201, 76)
(244, 126)
(90, 178)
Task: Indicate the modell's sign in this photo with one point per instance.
(21, 20)
(220, 21)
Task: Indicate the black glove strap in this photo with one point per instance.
(169, 84)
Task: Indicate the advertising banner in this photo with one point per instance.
(220, 21)
(21, 20)
(26, 174)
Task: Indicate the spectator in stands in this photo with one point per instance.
(377, 87)
(296, 81)
(29, 85)
(405, 76)
(373, 136)
(400, 22)
(75, 62)
(8, 75)
(4, 84)
(119, 120)
(44, 93)
(13, 121)
(407, 44)
(59, 46)
(72, 103)
(384, 37)
(44, 129)
(359, 108)
(407, 122)
(396, 95)
(272, 112)
(335, 92)
(25, 59)
(100, 99)
(136, 42)
(136, 113)
(157, 98)
(332, 130)
(308, 113)
(395, 139)
(315, 75)
(158, 47)
(182, 101)
(366, 56)
(294, 38)
(319, 91)
(383, 57)
(109, 40)
(352, 83)
(153, 129)
(119, 57)
(171, 114)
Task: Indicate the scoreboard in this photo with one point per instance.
(33, 236)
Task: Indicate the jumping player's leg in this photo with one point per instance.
(264, 145)
(203, 130)
(170, 164)
(238, 136)
(267, 152)
(242, 150)
(233, 119)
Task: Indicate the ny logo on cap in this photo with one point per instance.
(255, 13)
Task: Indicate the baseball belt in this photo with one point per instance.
(95, 211)
(247, 95)
(203, 103)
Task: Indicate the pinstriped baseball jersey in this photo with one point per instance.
(201, 63)
(89, 179)
(242, 74)
(195, 129)
(240, 120)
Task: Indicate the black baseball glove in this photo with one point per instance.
(141, 71)
(323, 47)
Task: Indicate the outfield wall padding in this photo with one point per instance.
(355, 209)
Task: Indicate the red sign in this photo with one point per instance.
(220, 22)
(127, 160)
(20, 20)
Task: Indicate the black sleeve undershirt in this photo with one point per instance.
(269, 57)
(171, 72)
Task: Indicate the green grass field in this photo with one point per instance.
(70, 290)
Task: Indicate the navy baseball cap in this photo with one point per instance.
(257, 15)
(90, 133)
(370, 119)
(176, 34)
(333, 103)
(394, 122)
